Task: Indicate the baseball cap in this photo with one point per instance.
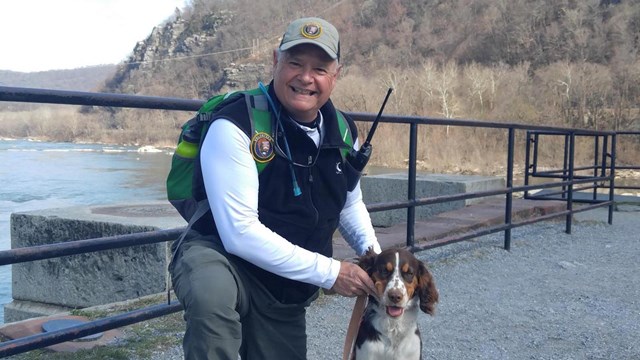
(314, 31)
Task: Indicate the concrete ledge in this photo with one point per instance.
(85, 280)
(18, 310)
(393, 187)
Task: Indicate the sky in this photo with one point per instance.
(40, 35)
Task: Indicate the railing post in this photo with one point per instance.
(612, 185)
(411, 187)
(596, 154)
(568, 157)
(509, 195)
(605, 154)
(572, 148)
(527, 162)
(536, 143)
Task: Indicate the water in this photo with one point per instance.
(40, 175)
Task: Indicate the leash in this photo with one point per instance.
(354, 324)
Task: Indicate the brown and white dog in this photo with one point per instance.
(389, 329)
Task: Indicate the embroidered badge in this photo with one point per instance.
(262, 147)
(311, 30)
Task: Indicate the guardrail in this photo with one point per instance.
(634, 136)
(569, 178)
(603, 147)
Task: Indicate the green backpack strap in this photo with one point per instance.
(345, 133)
(213, 103)
(259, 116)
(261, 122)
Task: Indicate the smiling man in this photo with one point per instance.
(258, 258)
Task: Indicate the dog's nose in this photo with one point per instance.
(395, 295)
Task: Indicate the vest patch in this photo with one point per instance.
(262, 147)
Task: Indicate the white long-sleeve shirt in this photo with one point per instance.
(231, 183)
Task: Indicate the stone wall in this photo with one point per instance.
(394, 187)
(55, 285)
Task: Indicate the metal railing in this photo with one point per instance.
(601, 170)
(633, 136)
(569, 179)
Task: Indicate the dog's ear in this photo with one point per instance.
(367, 261)
(427, 290)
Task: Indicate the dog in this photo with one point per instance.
(389, 329)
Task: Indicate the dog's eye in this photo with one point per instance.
(384, 272)
(408, 275)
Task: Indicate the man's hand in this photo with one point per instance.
(353, 281)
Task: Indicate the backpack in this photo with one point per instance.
(180, 181)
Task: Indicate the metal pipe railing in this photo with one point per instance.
(48, 96)
(49, 251)
(568, 177)
(42, 340)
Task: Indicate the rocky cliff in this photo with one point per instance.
(186, 53)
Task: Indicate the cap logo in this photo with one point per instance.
(311, 30)
(262, 147)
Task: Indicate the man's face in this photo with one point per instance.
(303, 79)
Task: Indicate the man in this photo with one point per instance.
(265, 249)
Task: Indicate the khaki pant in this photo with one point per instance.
(228, 312)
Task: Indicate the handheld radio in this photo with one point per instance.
(357, 160)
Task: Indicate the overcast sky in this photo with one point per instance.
(38, 35)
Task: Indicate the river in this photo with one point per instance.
(42, 175)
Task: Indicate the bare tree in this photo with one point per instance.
(397, 79)
(480, 79)
(426, 77)
(445, 89)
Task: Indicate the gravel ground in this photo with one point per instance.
(553, 296)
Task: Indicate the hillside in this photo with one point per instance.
(82, 79)
(89, 78)
(562, 63)
(193, 49)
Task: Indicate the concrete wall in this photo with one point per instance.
(393, 187)
(55, 285)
